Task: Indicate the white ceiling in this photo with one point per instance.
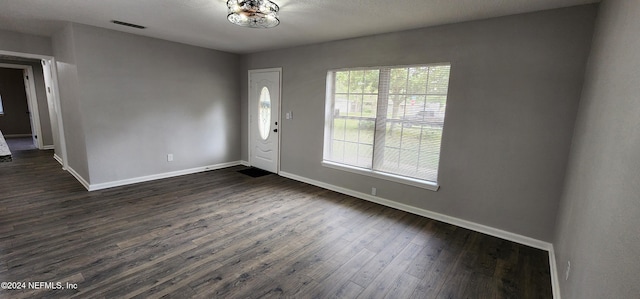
(204, 23)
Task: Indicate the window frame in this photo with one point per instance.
(329, 123)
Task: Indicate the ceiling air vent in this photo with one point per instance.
(128, 24)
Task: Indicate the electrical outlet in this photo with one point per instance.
(169, 157)
(567, 271)
(373, 191)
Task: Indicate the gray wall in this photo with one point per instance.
(139, 99)
(513, 97)
(599, 224)
(25, 43)
(15, 120)
(68, 87)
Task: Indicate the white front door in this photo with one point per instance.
(264, 118)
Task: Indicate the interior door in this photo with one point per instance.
(27, 89)
(264, 118)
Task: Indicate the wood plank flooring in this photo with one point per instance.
(222, 234)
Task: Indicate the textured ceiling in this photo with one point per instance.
(203, 22)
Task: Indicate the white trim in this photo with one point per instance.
(78, 177)
(53, 69)
(279, 118)
(553, 267)
(56, 94)
(57, 158)
(24, 55)
(502, 234)
(165, 175)
(244, 163)
(524, 240)
(48, 147)
(32, 100)
(385, 176)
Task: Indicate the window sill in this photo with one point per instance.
(385, 176)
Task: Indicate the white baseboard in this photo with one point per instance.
(57, 158)
(48, 147)
(429, 214)
(389, 203)
(509, 236)
(165, 175)
(78, 177)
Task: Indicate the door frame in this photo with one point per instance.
(55, 97)
(32, 101)
(278, 118)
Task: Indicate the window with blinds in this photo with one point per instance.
(387, 121)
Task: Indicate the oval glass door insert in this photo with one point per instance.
(264, 113)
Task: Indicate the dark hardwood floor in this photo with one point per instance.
(222, 234)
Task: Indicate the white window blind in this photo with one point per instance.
(387, 120)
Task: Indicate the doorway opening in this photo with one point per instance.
(40, 73)
(20, 118)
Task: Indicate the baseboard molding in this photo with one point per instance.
(48, 147)
(78, 177)
(502, 234)
(159, 176)
(389, 203)
(429, 214)
(57, 158)
(555, 280)
(245, 163)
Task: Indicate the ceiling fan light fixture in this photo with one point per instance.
(253, 13)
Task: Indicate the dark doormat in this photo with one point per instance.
(254, 172)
